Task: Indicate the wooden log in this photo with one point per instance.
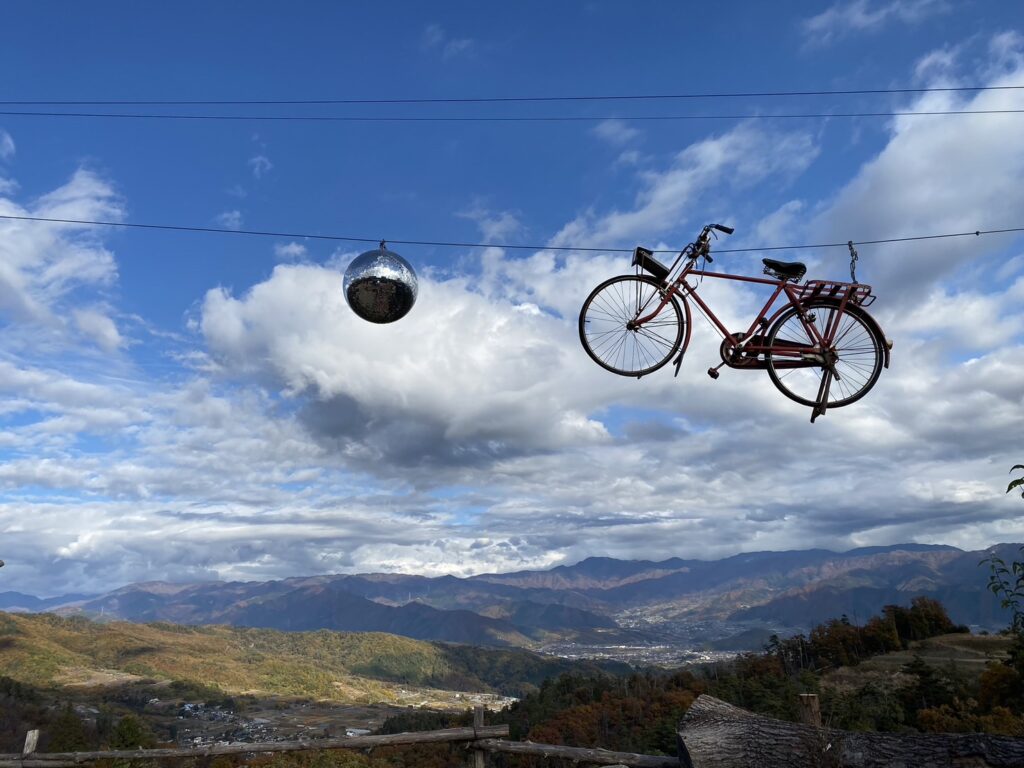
(353, 742)
(579, 754)
(714, 734)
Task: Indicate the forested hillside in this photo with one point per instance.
(640, 712)
(49, 650)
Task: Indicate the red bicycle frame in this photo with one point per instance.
(808, 355)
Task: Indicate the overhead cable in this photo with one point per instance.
(513, 119)
(507, 99)
(453, 244)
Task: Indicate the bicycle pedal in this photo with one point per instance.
(712, 373)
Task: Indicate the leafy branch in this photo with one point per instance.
(1007, 581)
(1018, 482)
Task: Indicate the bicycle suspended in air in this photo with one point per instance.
(821, 348)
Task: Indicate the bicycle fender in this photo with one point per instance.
(886, 343)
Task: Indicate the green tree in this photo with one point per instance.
(1006, 581)
(69, 734)
(132, 733)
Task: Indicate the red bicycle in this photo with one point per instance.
(821, 348)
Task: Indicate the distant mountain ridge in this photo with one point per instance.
(17, 601)
(598, 600)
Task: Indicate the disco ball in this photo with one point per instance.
(380, 286)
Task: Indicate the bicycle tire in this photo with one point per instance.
(859, 348)
(624, 351)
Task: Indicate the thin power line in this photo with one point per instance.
(452, 244)
(531, 119)
(509, 99)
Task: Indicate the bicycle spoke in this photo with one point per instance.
(856, 348)
(606, 326)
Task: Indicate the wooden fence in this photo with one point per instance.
(712, 734)
(480, 740)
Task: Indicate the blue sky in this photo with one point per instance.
(181, 406)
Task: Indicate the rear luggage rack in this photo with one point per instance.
(644, 259)
(854, 293)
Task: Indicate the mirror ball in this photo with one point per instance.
(380, 286)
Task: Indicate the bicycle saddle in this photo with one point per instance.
(784, 270)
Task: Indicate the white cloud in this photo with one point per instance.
(616, 132)
(260, 165)
(475, 435)
(495, 226)
(513, 372)
(6, 145)
(97, 325)
(860, 15)
(41, 264)
(741, 157)
(290, 251)
(435, 38)
(230, 219)
(936, 175)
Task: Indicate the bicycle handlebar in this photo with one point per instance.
(702, 245)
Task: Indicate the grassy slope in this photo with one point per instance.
(46, 650)
(967, 654)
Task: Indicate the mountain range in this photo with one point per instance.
(598, 601)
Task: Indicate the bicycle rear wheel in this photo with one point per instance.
(856, 345)
(627, 351)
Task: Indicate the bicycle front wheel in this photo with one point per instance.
(794, 361)
(609, 336)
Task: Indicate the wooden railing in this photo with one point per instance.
(713, 734)
(480, 739)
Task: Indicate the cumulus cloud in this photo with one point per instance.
(461, 380)
(474, 435)
(861, 15)
(931, 179)
(483, 388)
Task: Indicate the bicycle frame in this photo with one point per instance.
(822, 326)
(804, 355)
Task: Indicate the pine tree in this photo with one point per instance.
(69, 733)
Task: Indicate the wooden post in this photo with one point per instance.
(31, 740)
(477, 761)
(810, 710)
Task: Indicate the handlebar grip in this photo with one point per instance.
(723, 228)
